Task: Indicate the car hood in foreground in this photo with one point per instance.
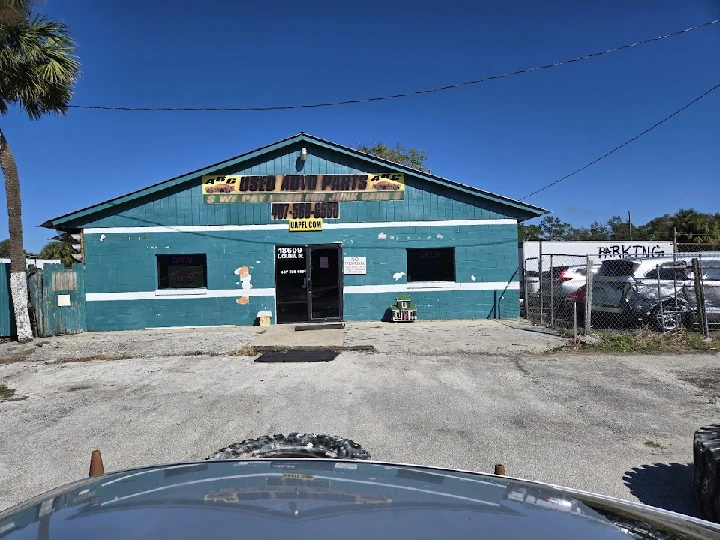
(315, 498)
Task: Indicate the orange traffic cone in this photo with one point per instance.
(500, 469)
(96, 464)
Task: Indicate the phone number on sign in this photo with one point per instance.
(327, 210)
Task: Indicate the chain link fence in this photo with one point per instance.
(661, 293)
(704, 306)
(550, 287)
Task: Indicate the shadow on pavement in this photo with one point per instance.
(665, 485)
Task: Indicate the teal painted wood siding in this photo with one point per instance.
(7, 315)
(183, 205)
(126, 263)
(121, 265)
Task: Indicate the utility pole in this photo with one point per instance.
(630, 225)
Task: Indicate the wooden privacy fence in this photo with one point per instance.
(57, 295)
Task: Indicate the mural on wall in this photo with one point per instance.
(295, 188)
(244, 273)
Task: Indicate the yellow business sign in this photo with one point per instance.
(305, 225)
(290, 188)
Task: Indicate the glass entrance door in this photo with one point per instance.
(308, 283)
(291, 284)
(325, 283)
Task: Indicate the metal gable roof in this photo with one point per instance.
(59, 221)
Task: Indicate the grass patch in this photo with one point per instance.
(707, 379)
(246, 350)
(6, 392)
(648, 341)
(92, 358)
(19, 356)
(566, 332)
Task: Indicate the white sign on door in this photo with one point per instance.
(355, 265)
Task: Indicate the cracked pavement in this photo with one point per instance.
(461, 397)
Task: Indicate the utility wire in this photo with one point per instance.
(406, 94)
(635, 138)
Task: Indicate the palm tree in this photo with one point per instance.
(58, 250)
(38, 70)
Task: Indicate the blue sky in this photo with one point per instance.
(509, 136)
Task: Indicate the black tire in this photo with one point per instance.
(706, 470)
(670, 318)
(698, 471)
(294, 445)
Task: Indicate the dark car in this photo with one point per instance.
(323, 498)
(658, 290)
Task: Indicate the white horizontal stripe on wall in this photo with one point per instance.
(430, 287)
(167, 295)
(284, 226)
(353, 289)
(443, 223)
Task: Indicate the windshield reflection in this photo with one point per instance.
(283, 491)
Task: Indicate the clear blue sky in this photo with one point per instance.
(509, 136)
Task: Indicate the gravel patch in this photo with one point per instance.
(507, 337)
(617, 425)
(131, 344)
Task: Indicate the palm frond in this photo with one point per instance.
(38, 67)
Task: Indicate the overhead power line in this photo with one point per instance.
(635, 138)
(406, 94)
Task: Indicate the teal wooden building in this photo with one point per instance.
(300, 230)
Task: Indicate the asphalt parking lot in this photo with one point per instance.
(440, 395)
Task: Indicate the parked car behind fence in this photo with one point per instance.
(548, 287)
(659, 292)
(655, 291)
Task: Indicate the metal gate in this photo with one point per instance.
(57, 295)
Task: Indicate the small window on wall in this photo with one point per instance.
(182, 271)
(436, 264)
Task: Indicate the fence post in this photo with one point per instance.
(552, 293)
(525, 290)
(575, 322)
(540, 274)
(700, 296)
(588, 295)
(662, 308)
